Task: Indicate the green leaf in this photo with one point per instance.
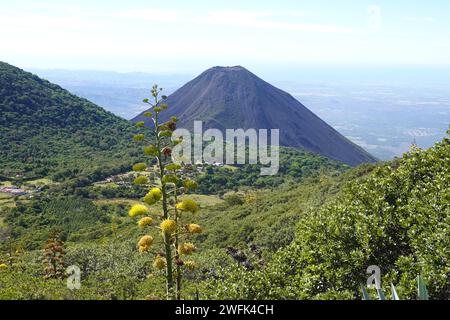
(365, 294)
(422, 288)
(380, 294)
(394, 293)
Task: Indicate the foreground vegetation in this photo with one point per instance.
(397, 217)
(308, 241)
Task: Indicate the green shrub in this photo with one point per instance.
(397, 217)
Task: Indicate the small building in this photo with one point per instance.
(13, 190)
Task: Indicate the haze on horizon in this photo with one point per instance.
(180, 37)
(378, 71)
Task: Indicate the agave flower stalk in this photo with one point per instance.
(167, 191)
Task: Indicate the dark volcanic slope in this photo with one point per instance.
(233, 97)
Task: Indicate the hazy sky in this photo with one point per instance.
(183, 36)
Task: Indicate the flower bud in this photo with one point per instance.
(167, 151)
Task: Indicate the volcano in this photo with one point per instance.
(233, 97)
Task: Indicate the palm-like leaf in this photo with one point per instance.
(394, 293)
(422, 288)
(365, 294)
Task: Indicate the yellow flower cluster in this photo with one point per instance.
(145, 221)
(156, 193)
(145, 243)
(186, 248)
(149, 199)
(188, 205)
(168, 227)
(138, 210)
(194, 228)
(3, 266)
(153, 196)
(159, 263)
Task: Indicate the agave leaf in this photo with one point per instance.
(394, 293)
(381, 295)
(365, 294)
(422, 288)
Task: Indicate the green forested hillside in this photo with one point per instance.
(295, 165)
(397, 217)
(45, 130)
